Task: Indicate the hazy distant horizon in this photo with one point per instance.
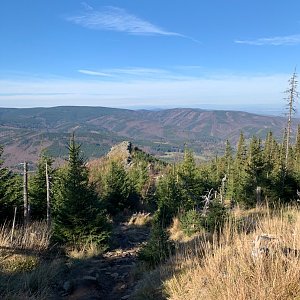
(261, 110)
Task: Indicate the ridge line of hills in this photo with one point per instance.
(24, 132)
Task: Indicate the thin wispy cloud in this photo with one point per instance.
(138, 73)
(117, 19)
(289, 40)
(133, 72)
(94, 73)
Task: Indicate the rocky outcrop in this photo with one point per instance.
(265, 245)
(121, 153)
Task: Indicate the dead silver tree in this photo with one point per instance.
(207, 199)
(291, 98)
(25, 194)
(13, 225)
(222, 188)
(48, 197)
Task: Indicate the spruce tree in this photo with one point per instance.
(118, 193)
(255, 172)
(297, 153)
(227, 183)
(241, 154)
(10, 191)
(139, 177)
(170, 197)
(189, 181)
(268, 153)
(256, 165)
(239, 172)
(77, 213)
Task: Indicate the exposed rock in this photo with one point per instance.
(68, 286)
(265, 245)
(115, 275)
(89, 278)
(121, 152)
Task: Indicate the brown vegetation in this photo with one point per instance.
(227, 270)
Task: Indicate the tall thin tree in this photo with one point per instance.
(291, 98)
(25, 194)
(48, 195)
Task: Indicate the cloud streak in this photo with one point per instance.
(112, 18)
(117, 19)
(128, 73)
(289, 40)
(94, 73)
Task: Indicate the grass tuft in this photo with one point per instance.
(140, 219)
(34, 237)
(85, 251)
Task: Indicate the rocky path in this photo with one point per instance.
(110, 276)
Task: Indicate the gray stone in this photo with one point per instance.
(67, 286)
(264, 245)
(89, 278)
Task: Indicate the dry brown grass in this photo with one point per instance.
(140, 219)
(35, 237)
(24, 273)
(225, 268)
(85, 251)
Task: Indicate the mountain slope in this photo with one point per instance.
(25, 132)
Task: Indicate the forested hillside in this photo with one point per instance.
(25, 132)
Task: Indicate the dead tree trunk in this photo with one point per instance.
(13, 225)
(207, 199)
(48, 198)
(292, 95)
(258, 195)
(25, 195)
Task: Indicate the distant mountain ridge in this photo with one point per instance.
(24, 132)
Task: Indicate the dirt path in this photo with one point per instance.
(110, 276)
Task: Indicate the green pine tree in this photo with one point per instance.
(169, 197)
(228, 183)
(139, 177)
(255, 171)
(297, 152)
(78, 216)
(119, 193)
(11, 189)
(239, 171)
(190, 182)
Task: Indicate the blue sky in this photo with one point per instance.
(231, 54)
